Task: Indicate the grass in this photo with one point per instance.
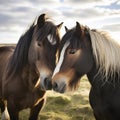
(7, 44)
(69, 106)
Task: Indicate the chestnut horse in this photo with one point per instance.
(24, 68)
(94, 53)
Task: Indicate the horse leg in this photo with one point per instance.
(13, 112)
(36, 109)
(14, 115)
(2, 106)
(5, 114)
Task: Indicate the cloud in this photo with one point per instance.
(112, 27)
(24, 10)
(16, 15)
(87, 3)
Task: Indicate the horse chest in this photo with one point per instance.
(105, 103)
(22, 96)
(29, 99)
(36, 97)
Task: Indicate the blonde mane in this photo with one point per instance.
(106, 52)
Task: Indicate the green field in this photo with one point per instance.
(69, 106)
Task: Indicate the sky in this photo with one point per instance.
(17, 15)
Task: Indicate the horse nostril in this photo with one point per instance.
(47, 83)
(55, 86)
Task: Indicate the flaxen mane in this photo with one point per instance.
(106, 52)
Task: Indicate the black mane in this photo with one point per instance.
(20, 55)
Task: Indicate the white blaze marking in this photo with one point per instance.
(51, 39)
(57, 69)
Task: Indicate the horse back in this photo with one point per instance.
(5, 54)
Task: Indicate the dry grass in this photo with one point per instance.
(7, 44)
(69, 106)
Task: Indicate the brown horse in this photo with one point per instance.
(25, 68)
(96, 54)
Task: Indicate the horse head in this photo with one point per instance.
(43, 48)
(75, 59)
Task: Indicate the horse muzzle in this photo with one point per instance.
(59, 86)
(46, 83)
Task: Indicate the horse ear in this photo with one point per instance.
(66, 29)
(60, 25)
(41, 20)
(78, 29)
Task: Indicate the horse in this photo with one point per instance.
(91, 52)
(25, 67)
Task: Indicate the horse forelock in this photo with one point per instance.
(106, 52)
(67, 37)
(75, 42)
(48, 29)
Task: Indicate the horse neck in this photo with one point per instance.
(91, 75)
(30, 76)
(97, 80)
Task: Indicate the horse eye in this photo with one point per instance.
(72, 51)
(39, 44)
